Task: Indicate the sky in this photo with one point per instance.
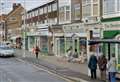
(6, 5)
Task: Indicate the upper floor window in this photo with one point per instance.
(33, 14)
(118, 5)
(77, 11)
(27, 16)
(109, 7)
(95, 1)
(30, 14)
(36, 13)
(67, 13)
(61, 14)
(86, 10)
(95, 9)
(49, 8)
(41, 11)
(45, 9)
(64, 14)
(54, 6)
(86, 1)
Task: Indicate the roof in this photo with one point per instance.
(50, 2)
(93, 42)
(13, 10)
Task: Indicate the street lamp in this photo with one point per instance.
(2, 20)
(24, 29)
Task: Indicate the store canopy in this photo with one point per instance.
(15, 37)
(93, 42)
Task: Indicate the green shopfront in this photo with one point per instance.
(114, 48)
(112, 31)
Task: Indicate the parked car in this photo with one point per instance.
(6, 51)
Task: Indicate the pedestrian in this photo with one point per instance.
(92, 64)
(37, 51)
(70, 54)
(112, 69)
(33, 50)
(75, 55)
(102, 63)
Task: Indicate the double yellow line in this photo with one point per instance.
(118, 65)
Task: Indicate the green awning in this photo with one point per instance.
(110, 19)
(110, 34)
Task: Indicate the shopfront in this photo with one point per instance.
(75, 36)
(31, 42)
(114, 48)
(42, 39)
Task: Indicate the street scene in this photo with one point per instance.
(59, 40)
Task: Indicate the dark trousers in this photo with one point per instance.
(36, 54)
(93, 74)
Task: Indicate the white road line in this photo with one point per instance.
(45, 70)
(68, 80)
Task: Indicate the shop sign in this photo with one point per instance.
(96, 33)
(111, 25)
(44, 33)
(75, 28)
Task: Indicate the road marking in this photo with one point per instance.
(68, 80)
(59, 76)
(78, 79)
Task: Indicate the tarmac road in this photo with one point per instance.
(13, 70)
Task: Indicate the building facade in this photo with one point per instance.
(77, 18)
(13, 23)
(3, 31)
(111, 23)
(38, 22)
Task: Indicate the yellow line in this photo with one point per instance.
(118, 65)
(46, 71)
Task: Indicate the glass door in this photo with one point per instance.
(118, 58)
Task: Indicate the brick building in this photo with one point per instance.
(14, 22)
(38, 22)
(2, 27)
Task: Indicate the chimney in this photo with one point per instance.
(19, 4)
(15, 5)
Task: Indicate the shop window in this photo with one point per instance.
(83, 45)
(118, 58)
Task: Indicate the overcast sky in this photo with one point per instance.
(6, 5)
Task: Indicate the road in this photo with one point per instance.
(13, 70)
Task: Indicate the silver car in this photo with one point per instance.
(6, 51)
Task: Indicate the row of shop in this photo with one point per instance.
(57, 39)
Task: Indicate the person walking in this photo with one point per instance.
(112, 69)
(92, 64)
(102, 63)
(37, 51)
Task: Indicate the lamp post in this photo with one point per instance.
(24, 29)
(3, 20)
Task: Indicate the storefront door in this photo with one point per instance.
(118, 56)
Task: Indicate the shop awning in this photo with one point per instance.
(15, 37)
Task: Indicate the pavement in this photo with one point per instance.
(74, 71)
